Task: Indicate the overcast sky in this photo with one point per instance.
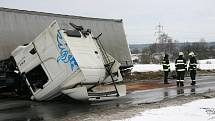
(183, 20)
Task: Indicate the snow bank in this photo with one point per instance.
(208, 64)
(207, 61)
(146, 67)
(200, 110)
(150, 67)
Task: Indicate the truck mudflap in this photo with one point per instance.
(99, 93)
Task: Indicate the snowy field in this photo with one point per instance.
(208, 64)
(200, 110)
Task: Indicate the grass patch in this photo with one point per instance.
(145, 75)
(159, 75)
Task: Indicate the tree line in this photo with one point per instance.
(154, 53)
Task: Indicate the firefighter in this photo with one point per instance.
(180, 65)
(166, 68)
(192, 68)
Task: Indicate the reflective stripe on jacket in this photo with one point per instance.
(180, 64)
(166, 65)
(193, 64)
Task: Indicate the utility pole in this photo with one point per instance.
(159, 31)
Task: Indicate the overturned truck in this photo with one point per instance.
(64, 61)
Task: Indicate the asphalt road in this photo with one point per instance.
(25, 110)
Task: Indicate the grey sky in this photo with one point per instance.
(183, 20)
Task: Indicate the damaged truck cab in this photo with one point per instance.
(70, 62)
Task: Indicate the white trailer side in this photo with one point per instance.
(18, 27)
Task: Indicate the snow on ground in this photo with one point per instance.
(207, 61)
(208, 64)
(150, 67)
(146, 67)
(200, 110)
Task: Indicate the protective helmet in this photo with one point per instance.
(191, 54)
(166, 55)
(181, 53)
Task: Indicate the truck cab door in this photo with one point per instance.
(46, 48)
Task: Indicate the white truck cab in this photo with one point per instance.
(70, 62)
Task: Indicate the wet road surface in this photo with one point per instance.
(24, 110)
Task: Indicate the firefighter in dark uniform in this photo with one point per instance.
(180, 65)
(166, 68)
(192, 68)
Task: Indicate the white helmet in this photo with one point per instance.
(180, 53)
(191, 54)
